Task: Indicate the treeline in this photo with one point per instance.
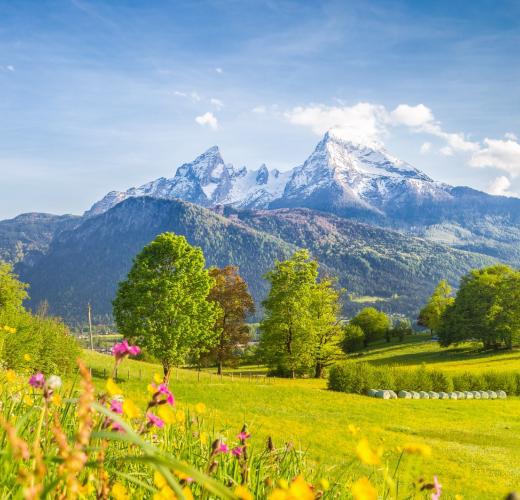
(31, 341)
(485, 308)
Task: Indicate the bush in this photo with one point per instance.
(43, 344)
(359, 377)
(353, 339)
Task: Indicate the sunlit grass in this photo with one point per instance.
(476, 444)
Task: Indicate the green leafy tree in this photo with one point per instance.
(325, 331)
(231, 294)
(486, 308)
(353, 338)
(374, 324)
(163, 302)
(284, 341)
(431, 314)
(12, 291)
(401, 328)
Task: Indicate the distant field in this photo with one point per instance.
(476, 444)
(420, 349)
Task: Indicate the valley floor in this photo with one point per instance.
(475, 444)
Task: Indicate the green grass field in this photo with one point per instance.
(475, 444)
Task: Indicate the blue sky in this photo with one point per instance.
(102, 95)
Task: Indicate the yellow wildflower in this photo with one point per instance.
(158, 379)
(166, 493)
(283, 483)
(243, 493)
(362, 489)
(10, 375)
(367, 454)
(180, 416)
(188, 495)
(151, 389)
(458, 497)
(112, 388)
(28, 400)
(203, 437)
(200, 408)
(130, 409)
(166, 414)
(56, 399)
(27, 357)
(159, 480)
(279, 494)
(300, 489)
(324, 483)
(417, 449)
(352, 429)
(119, 492)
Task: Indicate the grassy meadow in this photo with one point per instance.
(475, 444)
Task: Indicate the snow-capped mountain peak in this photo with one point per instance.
(339, 173)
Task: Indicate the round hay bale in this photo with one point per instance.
(484, 395)
(492, 394)
(501, 395)
(416, 395)
(424, 395)
(469, 394)
(433, 395)
(393, 395)
(383, 395)
(460, 395)
(444, 395)
(453, 395)
(404, 395)
(476, 395)
(371, 392)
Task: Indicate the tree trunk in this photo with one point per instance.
(318, 370)
(219, 367)
(167, 372)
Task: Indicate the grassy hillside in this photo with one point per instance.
(476, 444)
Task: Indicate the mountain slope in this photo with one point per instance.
(85, 264)
(368, 260)
(28, 236)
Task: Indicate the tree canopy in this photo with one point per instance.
(486, 308)
(164, 301)
(431, 314)
(231, 294)
(374, 324)
(12, 291)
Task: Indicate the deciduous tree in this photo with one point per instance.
(163, 303)
(374, 324)
(431, 314)
(230, 292)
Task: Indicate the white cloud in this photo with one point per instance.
(259, 110)
(511, 136)
(411, 116)
(209, 119)
(363, 122)
(499, 186)
(217, 103)
(500, 154)
(446, 151)
(426, 147)
(219, 70)
(194, 96)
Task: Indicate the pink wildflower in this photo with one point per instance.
(163, 389)
(116, 406)
(123, 349)
(436, 489)
(37, 380)
(237, 451)
(154, 420)
(117, 427)
(243, 436)
(222, 448)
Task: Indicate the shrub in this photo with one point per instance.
(352, 377)
(441, 382)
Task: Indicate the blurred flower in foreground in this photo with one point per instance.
(367, 454)
(362, 489)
